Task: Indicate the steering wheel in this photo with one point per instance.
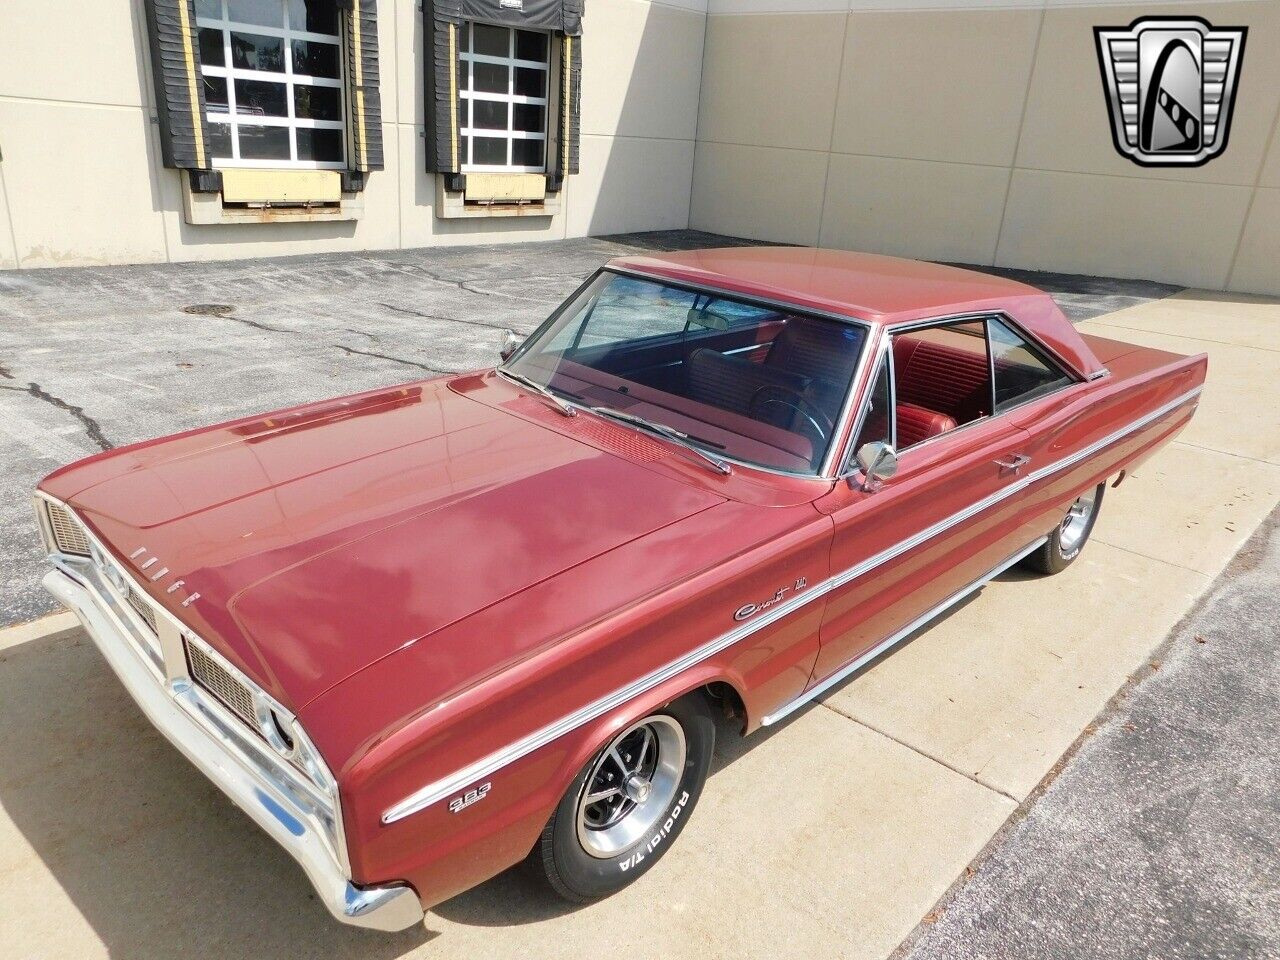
(793, 400)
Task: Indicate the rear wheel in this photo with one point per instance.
(628, 804)
(1070, 536)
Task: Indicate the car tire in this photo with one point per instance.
(598, 841)
(1069, 537)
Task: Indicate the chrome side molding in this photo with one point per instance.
(894, 639)
(485, 767)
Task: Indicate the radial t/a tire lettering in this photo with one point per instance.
(628, 804)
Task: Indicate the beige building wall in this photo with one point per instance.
(81, 180)
(977, 135)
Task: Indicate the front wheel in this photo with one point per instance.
(1070, 536)
(628, 804)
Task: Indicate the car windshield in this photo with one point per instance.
(757, 384)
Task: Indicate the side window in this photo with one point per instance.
(942, 380)
(877, 424)
(1022, 372)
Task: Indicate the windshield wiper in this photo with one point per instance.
(662, 430)
(536, 387)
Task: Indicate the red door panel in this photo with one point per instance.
(910, 545)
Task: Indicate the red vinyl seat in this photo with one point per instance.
(918, 423)
(938, 377)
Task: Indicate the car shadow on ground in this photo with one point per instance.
(152, 856)
(156, 859)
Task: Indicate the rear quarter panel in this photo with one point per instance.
(1143, 388)
(609, 621)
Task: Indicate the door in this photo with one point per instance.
(943, 520)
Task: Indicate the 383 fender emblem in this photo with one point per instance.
(748, 610)
(474, 795)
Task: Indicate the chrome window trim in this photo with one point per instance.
(437, 790)
(893, 330)
(883, 355)
(1009, 321)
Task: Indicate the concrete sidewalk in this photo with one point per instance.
(1161, 837)
(830, 836)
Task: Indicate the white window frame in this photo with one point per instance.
(290, 79)
(510, 98)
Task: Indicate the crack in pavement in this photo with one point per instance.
(433, 316)
(384, 356)
(260, 326)
(92, 429)
(353, 350)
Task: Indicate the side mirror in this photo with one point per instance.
(878, 461)
(510, 343)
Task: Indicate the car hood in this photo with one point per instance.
(318, 540)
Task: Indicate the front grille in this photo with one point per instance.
(67, 532)
(219, 681)
(144, 609)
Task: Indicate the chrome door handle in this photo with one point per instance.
(1015, 462)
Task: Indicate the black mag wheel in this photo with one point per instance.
(626, 807)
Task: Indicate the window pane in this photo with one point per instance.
(526, 153)
(209, 8)
(215, 94)
(267, 13)
(875, 425)
(316, 59)
(492, 41)
(250, 51)
(325, 145)
(488, 151)
(264, 143)
(314, 16)
(464, 149)
(219, 140)
(464, 75)
(529, 116)
(258, 98)
(531, 46)
(489, 115)
(211, 52)
(489, 77)
(942, 370)
(317, 103)
(747, 409)
(1022, 372)
(530, 82)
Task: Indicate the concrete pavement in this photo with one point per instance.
(1161, 837)
(831, 836)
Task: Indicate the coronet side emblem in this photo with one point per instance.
(748, 610)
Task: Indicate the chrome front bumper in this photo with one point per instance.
(216, 746)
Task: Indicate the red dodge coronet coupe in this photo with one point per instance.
(423, 633)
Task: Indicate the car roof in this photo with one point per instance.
(865, 286)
